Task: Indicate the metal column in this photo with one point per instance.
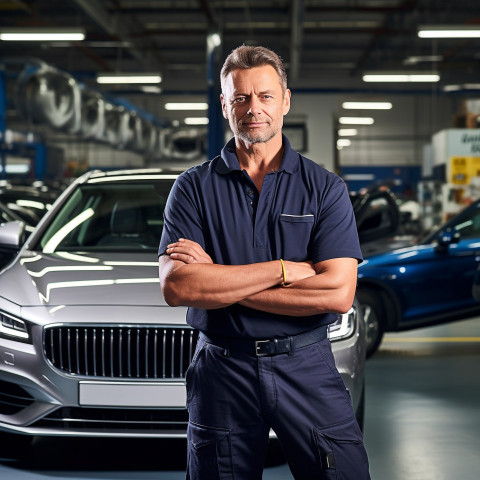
(215, 136)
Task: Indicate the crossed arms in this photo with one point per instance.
(189, 277)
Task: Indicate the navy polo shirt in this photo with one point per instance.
(303, 212)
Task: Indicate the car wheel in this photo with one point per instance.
(373, 312)
(360, 411)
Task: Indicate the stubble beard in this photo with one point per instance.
(256, 137)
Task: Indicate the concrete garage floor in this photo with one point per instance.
(422, 422)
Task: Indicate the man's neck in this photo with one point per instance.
(261, 157)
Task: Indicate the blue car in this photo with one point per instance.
(424, 284)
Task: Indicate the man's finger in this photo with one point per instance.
(183, 258)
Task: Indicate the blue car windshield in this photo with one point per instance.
(110, 216)
(466, 224)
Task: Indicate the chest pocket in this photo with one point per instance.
(295, 232)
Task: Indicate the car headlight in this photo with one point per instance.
(13, 328)
(344, 327)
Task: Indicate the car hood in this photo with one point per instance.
(122, 279)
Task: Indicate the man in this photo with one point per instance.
(261, 244)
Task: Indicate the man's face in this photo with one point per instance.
(254, 103)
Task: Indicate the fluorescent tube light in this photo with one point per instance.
(366, 105)
(356, 120)
(347, 132)
(196, 121)
(150, 89)
(186, 106)
(464, 86)
(449, 31)
(42, 34)
(113, 78)
(343, 142)
(401, 77)
(413, 60)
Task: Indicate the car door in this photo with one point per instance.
(440, 281)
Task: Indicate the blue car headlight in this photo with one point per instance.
(13, 328)
(344, 327)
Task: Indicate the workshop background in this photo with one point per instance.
(386, 93)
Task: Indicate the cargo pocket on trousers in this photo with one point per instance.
(341, 451)
(209, 453)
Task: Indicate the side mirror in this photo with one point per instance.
(447, 237)
(12, 235)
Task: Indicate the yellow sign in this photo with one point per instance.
(462, 169)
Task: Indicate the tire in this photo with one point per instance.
(360, 412)
(373, 313)
(275, 453)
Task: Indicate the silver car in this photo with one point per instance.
(88, 347)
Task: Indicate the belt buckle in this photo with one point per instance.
(258, 346)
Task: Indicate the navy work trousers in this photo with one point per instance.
(235, 398)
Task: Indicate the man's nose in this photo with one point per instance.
(254, 106)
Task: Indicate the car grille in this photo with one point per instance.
(118, 420)
(13, 398)
(121, 352)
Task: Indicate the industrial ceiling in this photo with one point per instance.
(326, 44)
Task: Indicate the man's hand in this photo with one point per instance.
(188, 251)
(297, 271)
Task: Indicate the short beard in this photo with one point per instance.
(248, 138)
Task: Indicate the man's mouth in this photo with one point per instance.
(253, 123)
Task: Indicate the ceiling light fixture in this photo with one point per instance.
(449, 31)
(347, 132)
(40, 34)
(355, 121)
(414, 59)
(366, 105)
(462, 87)
(186, 106)
(196, 121)
(150, 89)
(113, 78)
(401, 77)
(343, 142)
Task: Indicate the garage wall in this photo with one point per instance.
(397, 137)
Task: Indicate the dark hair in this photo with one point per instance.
(245, 57)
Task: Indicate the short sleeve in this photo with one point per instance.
(181, 218)
(335, 234)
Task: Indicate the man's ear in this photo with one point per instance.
(224, 106)
(286, 101)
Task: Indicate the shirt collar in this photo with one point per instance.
(228, 161)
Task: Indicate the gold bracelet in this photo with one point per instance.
(284, 273)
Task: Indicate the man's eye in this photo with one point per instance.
(239, 100)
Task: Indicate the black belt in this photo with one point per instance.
(268, 347)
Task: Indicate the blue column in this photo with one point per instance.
(40, 165)
(215, 136)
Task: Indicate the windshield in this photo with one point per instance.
(120, 216)
(466, 223)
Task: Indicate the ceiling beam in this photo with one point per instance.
(121, 28)
(210, 16)
(298, 9)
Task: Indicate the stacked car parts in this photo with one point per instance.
(47, 96)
